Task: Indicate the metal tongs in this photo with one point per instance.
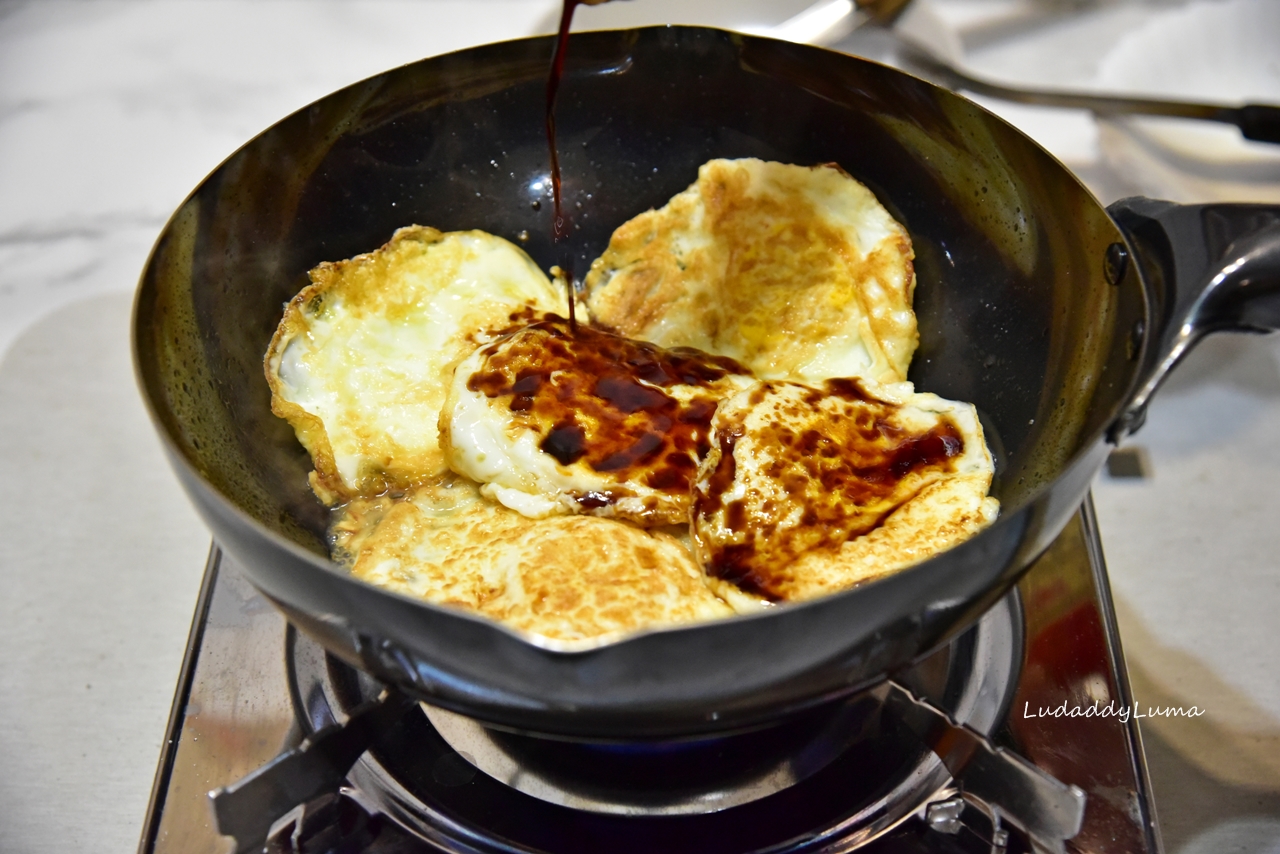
(828, 22)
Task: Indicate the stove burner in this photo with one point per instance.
(661, 778)
(239, 703)
(841, 774)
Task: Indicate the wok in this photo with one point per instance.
(1057, 318)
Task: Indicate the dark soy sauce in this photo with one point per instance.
(560, 222)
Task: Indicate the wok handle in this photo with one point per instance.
(1208, 268)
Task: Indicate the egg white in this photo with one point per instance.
(797, 272)
(360, 361)
(571, 579)
(776, 489)
(486, 442)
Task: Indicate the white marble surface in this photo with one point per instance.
(110, 112)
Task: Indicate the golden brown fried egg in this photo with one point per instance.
(583, 483)
(569, 578)
(810, 489)
(554, 420)
(796, 272)
(360, 362)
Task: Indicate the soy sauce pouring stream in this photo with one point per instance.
(560, 223)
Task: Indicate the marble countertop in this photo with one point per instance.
(110, 112)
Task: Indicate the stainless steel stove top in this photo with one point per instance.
(1027, 675)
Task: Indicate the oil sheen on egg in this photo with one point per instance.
(568, 578)
(814, 488)
(796, 272)
(360, 362)
(554, 420)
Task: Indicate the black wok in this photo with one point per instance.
(1053, 317)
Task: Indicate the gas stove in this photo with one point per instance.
(852, 775)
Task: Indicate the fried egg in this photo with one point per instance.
(568, 578)
(556, 420)
(360, 362)
(732, 430)
(796, 272)
(813, 488)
